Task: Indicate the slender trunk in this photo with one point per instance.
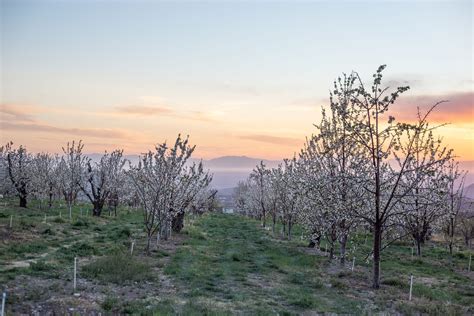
(331, 252)
(377, 246)
(50, 201)
(148, 242)
(289, 229)
(343, 242)
(274, 223)
(418, 242)
(166, 230)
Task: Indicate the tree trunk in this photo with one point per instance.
(289, 229)
(178, 222)
(343, 242)
(377, 246)
(418, 242)
(315, 242)
(69, 204)
(97, 210)
(23, 201)
(273, 224)
(50, 201)
(331, 252)
(166, 230)
(148, 242)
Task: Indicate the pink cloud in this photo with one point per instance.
(458, 109)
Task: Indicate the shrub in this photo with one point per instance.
(40, 266)
(109, 303)
(118, 268)
(80, 223)
(122, 233)
(48, 231)
(59, 220)
(79, 249)
(397, 282)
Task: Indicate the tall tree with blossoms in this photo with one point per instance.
(71, 170)
(381, 141)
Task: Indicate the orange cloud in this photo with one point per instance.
(458, 109)
(39, 127)
(16, 113)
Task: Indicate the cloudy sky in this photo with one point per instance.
(241, 78)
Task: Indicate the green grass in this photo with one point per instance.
(228, 258)
(226, 264)
(118, 268)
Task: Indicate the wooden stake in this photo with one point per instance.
(4, 299)
(75, 272)
(411, 287)
(353, 263)
(131, 248)
(11, 221)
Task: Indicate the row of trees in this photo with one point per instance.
(164, 183)
(362, 170)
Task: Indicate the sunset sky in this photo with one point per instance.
(241, 78)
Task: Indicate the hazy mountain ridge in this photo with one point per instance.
(229, 170)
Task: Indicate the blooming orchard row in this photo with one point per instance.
(164, 183)
(362, 170)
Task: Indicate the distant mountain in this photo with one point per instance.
(469, 191)
(229, 170)
(237, 163)
(468, 165)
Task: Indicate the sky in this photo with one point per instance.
(241, 78)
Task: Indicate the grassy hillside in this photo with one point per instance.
(220, 264)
